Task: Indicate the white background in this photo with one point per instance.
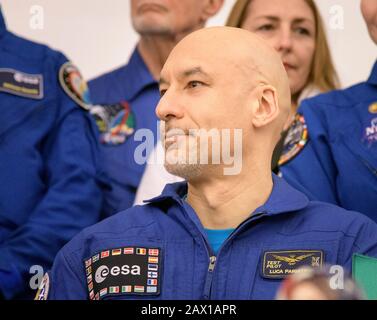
(97, 34)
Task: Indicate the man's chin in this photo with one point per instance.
(185, 171)
(151, 26)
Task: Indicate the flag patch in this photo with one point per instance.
(123, 271)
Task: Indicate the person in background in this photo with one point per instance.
(295, 29)
(331, 154)
(128, 95)
(50, 170)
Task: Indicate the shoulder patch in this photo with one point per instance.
(124, 271)
(74, 85)
(296, 139)
(115, 122)
(281, 264)
(42, 293)
(21, 84)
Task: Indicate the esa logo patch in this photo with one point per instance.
(21, 83)
(296, 139)
(280, 264)
(124, 271)
(115, 122)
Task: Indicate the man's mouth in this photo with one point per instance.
(150, 6)
(172, 135)
(175, 135)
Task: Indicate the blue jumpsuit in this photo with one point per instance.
(49, 173)
(161, 251)
(134, 85)
(337, 161)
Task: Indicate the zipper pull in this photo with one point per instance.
(212, 263)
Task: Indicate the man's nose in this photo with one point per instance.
(169, 106)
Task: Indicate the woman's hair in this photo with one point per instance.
(322, 74)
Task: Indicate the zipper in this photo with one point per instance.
(210, 253)
(213, 258)
(209, 278)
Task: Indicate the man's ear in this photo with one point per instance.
(265, 109)
(210, 8)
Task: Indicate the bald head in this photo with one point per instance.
(239, 51)
(226, 78)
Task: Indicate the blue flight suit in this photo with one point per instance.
(134, 84)
(338, 162)
(50, 178)
(161, 251)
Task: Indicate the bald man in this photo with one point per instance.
(234, 230)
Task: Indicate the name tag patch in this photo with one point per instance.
(280, 264)
(21, 83)
(124, 271)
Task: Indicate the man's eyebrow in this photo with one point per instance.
(185, 74)
(193, 71)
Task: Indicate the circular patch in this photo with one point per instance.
(373, 108)
(295, 141)
(115, 122)
(74, 85)
(42, 293)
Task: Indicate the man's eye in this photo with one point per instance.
(162, 92)
(194, 84)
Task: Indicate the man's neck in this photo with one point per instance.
(155, 49)
(227, 201)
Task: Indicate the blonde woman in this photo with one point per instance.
(295, 29)
(336, 158)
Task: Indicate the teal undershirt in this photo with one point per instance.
(216, 237)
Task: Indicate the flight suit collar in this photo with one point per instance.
(373, 76)
(283, 198)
